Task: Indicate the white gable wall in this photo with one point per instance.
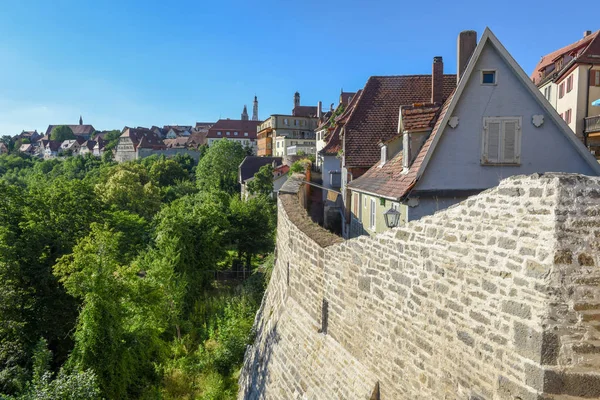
(456, 161)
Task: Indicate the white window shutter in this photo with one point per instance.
(493, 141)
(509, 145)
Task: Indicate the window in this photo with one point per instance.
(324, 317)
(548, 92)
(568, 116)
(383, 155)
(277, 144)
(285, 121)
(501, 141)
(488, 77)
(569, 83)
(595, 78)
(218, 133)
(235, 133)
(245, 133)
(295, 122)
(365, 202)
(228, 133)
(355, 204)
(561, 90)
(372, 219)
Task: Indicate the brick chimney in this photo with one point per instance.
(437, 80)
(587, 33)
(466, 43)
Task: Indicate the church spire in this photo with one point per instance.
(80, 120)
(255, 109)
(245, 114)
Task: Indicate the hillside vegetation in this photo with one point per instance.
(109, 276)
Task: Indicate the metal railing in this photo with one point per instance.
(592, 124)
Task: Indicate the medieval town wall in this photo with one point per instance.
(497, 297)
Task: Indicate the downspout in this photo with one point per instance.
(587, 103)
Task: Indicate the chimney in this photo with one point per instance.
(437, 80)
(319, 109)
(587, 33)
(331, 107)
(467, 41)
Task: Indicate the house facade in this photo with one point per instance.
(250, 166)
(280, 133)
(132, 140)
(569, 78)
(81, 130)
(3, 148)
(241, 131)
(495, 125)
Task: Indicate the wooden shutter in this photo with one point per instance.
(510, 133)
(491, 152)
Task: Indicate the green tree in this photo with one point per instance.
(218, 169)
(166, 172)
(61, 133)
(252, 226)
(117, 334)
(262, 184)
(128, 189)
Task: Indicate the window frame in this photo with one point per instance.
(502, 161)
(373, 215)
(568, 115)
(487, 71)
(561, 90)
(569, 83)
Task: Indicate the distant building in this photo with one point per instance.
(81, 130)
(132, 140)
(3, 148)
(569, 78)
(280, 135)
(242, 131)
(250, 166)
(70, 146)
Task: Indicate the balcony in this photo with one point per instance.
(301, 149)
(592, 124)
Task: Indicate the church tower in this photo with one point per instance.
(296, 99)
(245, 114)
(80, 120)
(255, 109)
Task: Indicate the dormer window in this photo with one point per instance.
(228, 133)
(488, 77)
(383, 155)
(219, 133)
(235, 133)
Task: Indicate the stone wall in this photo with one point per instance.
(497, 297)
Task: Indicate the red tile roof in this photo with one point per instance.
(334, 144)
(304, 111)
(419, 117)
(389, 181)
(143, 138)
(234, 125)
(375, 116)
(346, 97)
(549, 59)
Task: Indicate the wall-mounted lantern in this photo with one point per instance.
(392, 217)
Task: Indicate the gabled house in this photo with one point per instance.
(87, 147)
(32, 136)
(50, 148)
(177, 131)
(241, 131)
(27, 148)
(176, 143)
(132, 140)
(495, 125)
(3, 148)
(250, 166)
(98, 149)
(81, 130)
(69, 147)
(569, 78)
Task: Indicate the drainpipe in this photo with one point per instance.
(587, 103)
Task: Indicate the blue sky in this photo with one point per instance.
(150, 62)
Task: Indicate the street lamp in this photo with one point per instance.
(392, 217)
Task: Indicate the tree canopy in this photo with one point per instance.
(218, 169)
(61, 133)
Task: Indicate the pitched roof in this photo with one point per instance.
(234, 125)
(334, 144)
(418, 117)
(77, 129)
(387, 182)
(375, 116)
(589, 45)
(304, 111)
(90, 144)
(252, 164)
(179, 142)
(143, 138)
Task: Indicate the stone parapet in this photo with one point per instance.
(497, 297)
